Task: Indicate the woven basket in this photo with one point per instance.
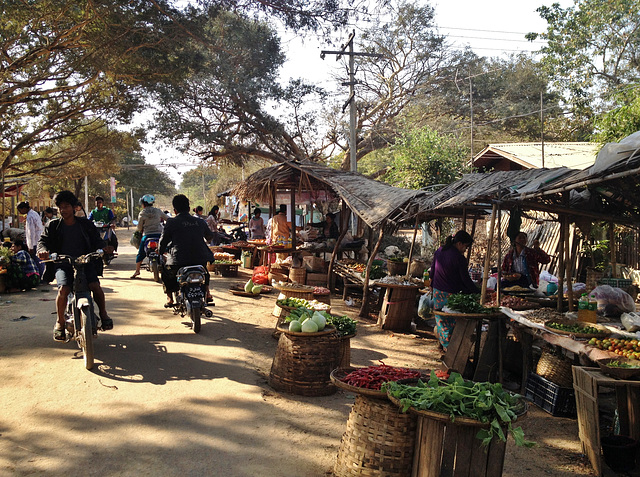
(303, 363)
(298, 275)
(379, 441)
(278, 277)
(344, 358)
(556, 369)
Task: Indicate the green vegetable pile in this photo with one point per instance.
(468, 303)
(574, 328)
(293, 302)
(621, 364)
(343, 324)
(455, 397)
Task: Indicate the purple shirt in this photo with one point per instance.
(450, 272)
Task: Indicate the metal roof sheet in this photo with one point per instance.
(574, 155)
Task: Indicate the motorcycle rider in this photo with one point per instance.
(74, 236)
(183, 239)
(150, 222)
(108, 218)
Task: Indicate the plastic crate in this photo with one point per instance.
(616, 282)
(556, 400)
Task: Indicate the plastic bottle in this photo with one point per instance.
(593, 310)
(583, 308)
(426, 278)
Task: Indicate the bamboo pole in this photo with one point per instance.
(344, 221)
(473, 232)
(612, 249)
(464, 219)
(364, 310)
(561, 270)
(498, 287)
(568, 262)
(413, 243)
(487, 258)
(293, 220)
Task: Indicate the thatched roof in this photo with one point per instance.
(374, 202)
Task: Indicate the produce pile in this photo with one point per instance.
(307, 322)
(517, 288)
(321, 291)
(509, 301)
(251, 287)
(400, 280)
(543, 315)
(628, 348)
(620, 364)
(354, 267)
(227, 262)
(343, 324)
(223, 256)
(573, 327)
(293, 286)
(294, 302)
(485, 402)
(468, 303)
(373, 377)
(240, 244)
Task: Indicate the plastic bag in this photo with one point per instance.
(135, 239)
(425, 305)
(612, 301)
(631, 321)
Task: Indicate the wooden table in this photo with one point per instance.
(462, 341)
(586, 383)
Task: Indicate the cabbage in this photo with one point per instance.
(248, 286)
(256, 289)
(319, 320)
(309, 326)
(295, 326)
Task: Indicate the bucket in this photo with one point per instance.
(619, 452)
(552, 288)
(246, 260)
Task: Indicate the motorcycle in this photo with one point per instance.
(191, 296)
(154, 259)
(109, 235)
(82, 323)
(236, 234)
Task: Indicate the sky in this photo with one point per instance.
(493, 28)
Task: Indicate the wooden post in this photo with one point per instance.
(561, 264)
(293, 220)
(344, 222)
(567, 262)
(364, 310)
(413, 243)
(464, 219)
(473, 232)
(487, 258)
(498, 287)
(612, 249)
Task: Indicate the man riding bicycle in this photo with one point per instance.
(74, 236)
(183, 239)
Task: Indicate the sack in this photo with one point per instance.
(425, 305)
(260, 275)
(613, 301)
(135, 239)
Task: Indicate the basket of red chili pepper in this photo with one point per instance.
(368, 380)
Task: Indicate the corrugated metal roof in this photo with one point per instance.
(574, 155)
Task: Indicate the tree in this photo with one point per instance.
(614, 125)
(422, 157)
(591, 52)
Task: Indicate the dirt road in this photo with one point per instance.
(163, 401)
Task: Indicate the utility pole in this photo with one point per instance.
(351, 101)
(542, 128)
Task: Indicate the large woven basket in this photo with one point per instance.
(303, 363)
(379, 441)
(556, 369)
(278, 277)
(298, 275)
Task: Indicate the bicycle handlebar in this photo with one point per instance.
(58, 258)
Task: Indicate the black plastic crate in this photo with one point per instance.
(556, 400)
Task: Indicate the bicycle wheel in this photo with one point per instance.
(195, 318)
(86, 337)
(156, 271)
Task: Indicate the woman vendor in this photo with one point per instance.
(450, 274)
(328, 227)
(256, 224)
(521, 265)
(280, 232)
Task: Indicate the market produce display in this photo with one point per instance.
(307, 322)
(400, 280)
(344, 325)
(321, 291)
(373, 377)
(251, 287)
(294, 302)
(223, 256)
(484, 402)
(573, 327)
(513, 302)
(293, 286)
(619, 364)
(227, 262)
(518, 288)
(622, 347)
(543, 315)
(468, 303)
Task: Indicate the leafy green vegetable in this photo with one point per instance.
(455, 397)
(345, 325)
(468, 303)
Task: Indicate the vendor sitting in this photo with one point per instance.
(23, 273)
(328, 227)
(520, 266)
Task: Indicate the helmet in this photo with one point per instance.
(148, 198)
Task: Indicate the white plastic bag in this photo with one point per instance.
(613, 301)
(631, 321)
(425, 305)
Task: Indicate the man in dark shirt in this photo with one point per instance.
(74, 236)
(183, 239)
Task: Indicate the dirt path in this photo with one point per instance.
(162, 400)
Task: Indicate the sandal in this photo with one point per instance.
(169, 305)
(135, 275)
(59, 334)
(107, 323)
